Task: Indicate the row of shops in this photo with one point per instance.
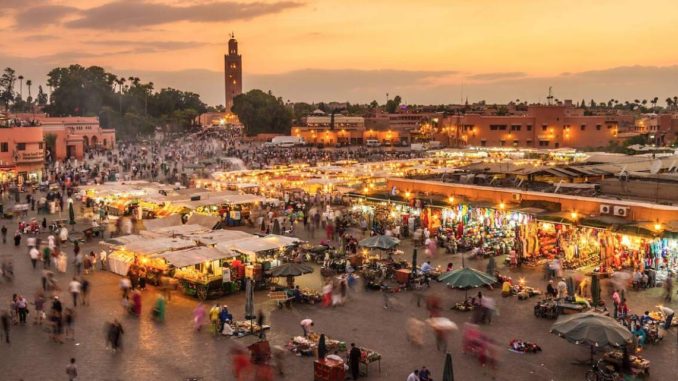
(532, 233)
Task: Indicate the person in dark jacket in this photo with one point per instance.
(354, 361)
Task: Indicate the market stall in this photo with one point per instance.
(201, 270)
(138, 253)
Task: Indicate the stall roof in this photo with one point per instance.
(208, 222)
(243, 199)
(159, 245)
(182, 230)
(192, 256)
(123, 240)
(219, 236)
(259, 244)
(158, 223)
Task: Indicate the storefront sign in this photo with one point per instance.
(30, 157)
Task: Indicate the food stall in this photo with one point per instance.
(201, 270)
(261, 254)
(139, 253)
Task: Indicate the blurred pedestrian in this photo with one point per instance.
(415, 332)
(69, 323)
(22, 309)
(114, 335)
(72, 370)
(306, 325)
(39, 303)
(354, 356)
(159, 309)
(199, 314)
(214, 319)
(84, 291)
(5, 321)
(34, 254)
(75, 287)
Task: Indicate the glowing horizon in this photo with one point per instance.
(447, 42)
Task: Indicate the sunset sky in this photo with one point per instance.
(428, 51)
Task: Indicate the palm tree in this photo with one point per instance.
(29, 83)
(120, 81)
(21, 87)
(669, 103)
(29, 100)
(654, 102)
(675, 102)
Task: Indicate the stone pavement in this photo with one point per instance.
(173, 351)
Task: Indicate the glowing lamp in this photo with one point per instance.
(574, 215)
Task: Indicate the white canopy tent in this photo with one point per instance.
(173, 220)
(193, 256)
(159, 245)
(215, 237)
(175, 230)
(259, 244)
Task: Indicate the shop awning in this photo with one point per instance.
(530, 211)
(208, 222)
(122, 240)
(557, 217)
(603, 222)
(238, 199)
(260, 244)
(192, 256)
(219, 236)
(159, 245)
(157, 223)
(641, 229)
(171, 231)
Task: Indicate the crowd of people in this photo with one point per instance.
(324, 218)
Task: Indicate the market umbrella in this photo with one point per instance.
(593, 329)
(466, 278)
(382, 242)
(322, 347)
(448, 371)
(595, 290)
(491, 266)
(291, 270)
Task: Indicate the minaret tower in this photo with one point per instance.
(232, 72)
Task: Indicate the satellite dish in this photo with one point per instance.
(656, 167)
